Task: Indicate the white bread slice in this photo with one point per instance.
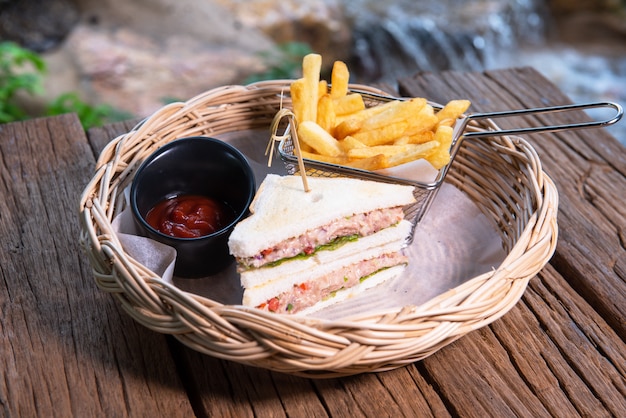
(256, 295)
(395, 235)
(282, 209)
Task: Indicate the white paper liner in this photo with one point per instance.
(453, 243)
(418, 170)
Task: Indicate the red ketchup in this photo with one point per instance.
(189, 216)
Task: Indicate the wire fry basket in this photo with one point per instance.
(501, 174)
(465, 127)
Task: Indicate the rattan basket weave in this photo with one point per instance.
(502, 175)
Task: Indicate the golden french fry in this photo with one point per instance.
(381, 136)
(296, 89)
(403, 140)
(411, 154)
(339, 78)
(441, 155)
(398, 111)
(336, 127)
(349, 143)
(346, 128)
(394, 151)
(339, 159)
(349, 104)
(322, 88)
(444, 136)
(418, 138)
(326, 113)
(376, 162)
(421, 137)
(320, 140)
(363, 114)
(423, 120)
(446, 122)
(311, 67)
(306, 147)
(453, 109)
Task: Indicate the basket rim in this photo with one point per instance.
(242, 334)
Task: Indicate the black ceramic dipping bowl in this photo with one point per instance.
(194, 166)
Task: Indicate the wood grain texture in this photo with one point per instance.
(67, 349)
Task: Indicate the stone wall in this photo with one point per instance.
(136, 55)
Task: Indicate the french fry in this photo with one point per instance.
(339, 78)
(334, 125)
(373, 163)
(311, 67)
(317, 138)
(381, 136)
(390, 151)
(306, 147)
(322, 89)
(418, 138)
(326, 113)
(349, 143)
(339, 159)
(441, 155)
(453, 109)
(411, 154)
(403, 140)
(346, 128)
(421, 137)
(364, 114)
(423, 120)
(446, 122)
(396, 112)
(296, 89)
(349, 104)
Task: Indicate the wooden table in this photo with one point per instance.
(68, 349)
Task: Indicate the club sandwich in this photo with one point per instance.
(301, 251)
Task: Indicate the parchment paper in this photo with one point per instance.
(453, 243)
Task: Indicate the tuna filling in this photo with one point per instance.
(307, 294)
(359, 225)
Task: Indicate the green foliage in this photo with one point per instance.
(90, 116)
(22, 70)
(283, 63)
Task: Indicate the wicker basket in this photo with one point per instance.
(502, 175)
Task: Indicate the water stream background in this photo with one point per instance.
(399, 37)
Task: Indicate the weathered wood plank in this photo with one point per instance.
(101, 136)
(223, 388)
(477, 379)
(551, 355)
(589, 166)
(66, 349)
(593, 351)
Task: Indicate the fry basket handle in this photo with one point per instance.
(563, 108)
(619, 112)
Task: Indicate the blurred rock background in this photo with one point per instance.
(138, 55)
